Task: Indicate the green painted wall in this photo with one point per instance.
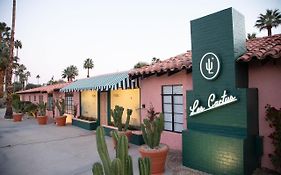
(221, 140)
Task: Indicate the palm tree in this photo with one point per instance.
(70, 73)
(251, 36)
(2, 29)
(272, 18)
(23, 75)
(18, 46)
(27, 74)
(4, 56)
(19, 70)
(38, 77)
(23, 78)
(9, 72)
(88, 64)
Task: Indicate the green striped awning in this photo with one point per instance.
(103, 83)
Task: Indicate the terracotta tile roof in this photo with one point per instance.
(45, 89)
(262, 48)
(258, 48)
(179, 62)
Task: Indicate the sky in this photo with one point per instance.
(116, 34)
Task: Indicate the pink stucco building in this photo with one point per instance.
(49, 94)
(158, 81)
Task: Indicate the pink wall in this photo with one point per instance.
(25, 97)
(151, 93)
(56, 96)
(76, 101)
(267, 78)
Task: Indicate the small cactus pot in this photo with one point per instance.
(127, 133)
(157, 156)
(42, 120)
(17, 117)
(61, 120)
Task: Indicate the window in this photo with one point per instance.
(69, 107)
(50, 102)
(40, 98)
(34, 98)
(172, 105)
(29, 98)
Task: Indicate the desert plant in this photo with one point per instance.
(42, 108)
(129, 113)
(122, 164)
(273, 116)
(117, 114)
(31, 109)
(18, 106)
(152, 128)
(60, 104)
(144, 166)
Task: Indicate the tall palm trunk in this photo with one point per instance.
(88, 73)
(9, 87)
(2, 74)
(269, 31)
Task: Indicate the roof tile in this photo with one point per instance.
(258, 48)
(45, 89)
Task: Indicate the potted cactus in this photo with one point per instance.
(117, 114)
(122, 164)
(42, 118)
(61, 119)
(152, 128)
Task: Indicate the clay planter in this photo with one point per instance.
(61, 120)
(17, 117)
(157, 157)
(126, 133)
(42, 120)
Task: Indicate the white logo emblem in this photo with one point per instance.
(209, 66)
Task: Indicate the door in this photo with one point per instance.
(103, 108)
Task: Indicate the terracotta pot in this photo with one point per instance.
(157, 157)
(127, 133)
(61, 120)
(42, 120)
(17, 117)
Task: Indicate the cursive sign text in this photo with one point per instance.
(212, 103)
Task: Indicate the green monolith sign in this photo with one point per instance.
(222, 112)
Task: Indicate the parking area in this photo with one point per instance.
(27, 148)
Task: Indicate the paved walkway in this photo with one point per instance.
(29, 149)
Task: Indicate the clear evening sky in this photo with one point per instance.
(116, 34)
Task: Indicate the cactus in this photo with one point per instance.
(144, 166)
(102, 150)
(97, 169)
(151, 131)
(129, 113)
(117, 114)
(60, 106)
(122, 154)
(122, 164)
